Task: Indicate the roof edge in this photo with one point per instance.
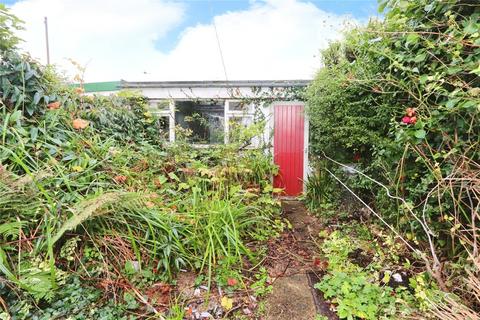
(213, 83)
(103, 86)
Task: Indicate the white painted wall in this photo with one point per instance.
(185, 93)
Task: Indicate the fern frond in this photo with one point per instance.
(10, 229)
(92, 207)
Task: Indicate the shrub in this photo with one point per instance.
(400, 98)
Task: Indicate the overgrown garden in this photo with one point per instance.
(99, 214)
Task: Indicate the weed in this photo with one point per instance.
(357, 290)
(261, 286)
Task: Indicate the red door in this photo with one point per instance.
(288, 147)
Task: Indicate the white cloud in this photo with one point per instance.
(273, 39)
(112, 37)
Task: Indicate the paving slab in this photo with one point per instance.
(293, 296)
(290, 299)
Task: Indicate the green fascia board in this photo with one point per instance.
(100, 86)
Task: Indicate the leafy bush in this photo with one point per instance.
(400, 99)
(348, 118)
(356, 296)
(10, 25)
(124, 117)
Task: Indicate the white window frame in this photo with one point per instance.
(234, 114)
(169, 113)
(228, 114)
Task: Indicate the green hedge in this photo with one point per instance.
(401, 97)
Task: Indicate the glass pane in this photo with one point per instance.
(237, 106)
(203, 121)
(159, 105)
(238, 129)
(163, 126)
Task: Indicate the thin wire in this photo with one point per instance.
(218, 43)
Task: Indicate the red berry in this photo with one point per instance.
(406, 120)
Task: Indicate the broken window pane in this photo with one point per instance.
(203, 120)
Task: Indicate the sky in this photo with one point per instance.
(175, 40)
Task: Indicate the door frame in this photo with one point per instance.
(271, 127)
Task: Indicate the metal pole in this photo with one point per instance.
(46, 40)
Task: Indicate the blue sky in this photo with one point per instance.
(202, 12)
(176, 39)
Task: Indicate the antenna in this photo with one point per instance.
(46, 41)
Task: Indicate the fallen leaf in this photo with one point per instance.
(227, 303)
(149, 204)
(320, 264)
(159, 293)
(79, 90)
(120, 179)
(53, 105)
(80, 124)
(77, 168)
(247, 311)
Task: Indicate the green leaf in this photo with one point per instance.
(130, 268)
(471, 27)
(16, 115)
(173, 176)
(476, 70)
(36, 97)
(30, 109)
(33, 134)
(412, 38)
(183, 186)
(85, 210)
(469, 104)
(452, 103)
(382, 5)
(29, 74)
(428, 7)
(162, 179)
(423, 78)
(420, 57)
(420, 134)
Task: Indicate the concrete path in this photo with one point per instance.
(293, 297)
